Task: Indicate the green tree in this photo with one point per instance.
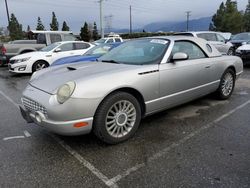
(54, 25)
(65, 27)
(28, 28)
(40, 26)
(95, 32)
(228, 18)
(247, 18)
(217, 20)
(15, 28)
(85, 34)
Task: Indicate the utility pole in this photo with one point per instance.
(101, 19)
(130, 13)
(188, 16)
(7, 10)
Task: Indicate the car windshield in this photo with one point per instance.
(242, 36)
(138, 52)
(50, 47)
(100, 41)
(101, 49)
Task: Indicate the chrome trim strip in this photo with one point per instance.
(181, 92)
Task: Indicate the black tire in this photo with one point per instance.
(39, 65)
(117, 100)
(227, 84)
(230, 51)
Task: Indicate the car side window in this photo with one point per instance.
(208, 36)
(55, 38)
(66, 47)
(220, 38)
(41, 38)
(117, 40)
(81, 46)
(192, 50)
(110, 41)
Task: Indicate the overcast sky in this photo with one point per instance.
(76, 12)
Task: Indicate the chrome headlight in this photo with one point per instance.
(22, 60)
(65, 91)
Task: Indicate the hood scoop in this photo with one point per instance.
(71, 68)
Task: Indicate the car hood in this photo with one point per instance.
(237, 41)
(244, 47)
(74, 59)
(50, 79)
(30, 54)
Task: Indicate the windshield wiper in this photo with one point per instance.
(110, 61)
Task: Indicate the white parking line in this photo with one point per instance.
(87, 164)
(27, 134)
(13, 137)
(9, 99)
(74, 153)
(176, 144)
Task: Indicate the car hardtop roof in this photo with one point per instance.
(196, 32)
(65, 42)
(54, 32)
(199, 41)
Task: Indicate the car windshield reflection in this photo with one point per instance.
(138, 52)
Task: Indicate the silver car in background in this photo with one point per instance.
(215, 38)
(136, 79)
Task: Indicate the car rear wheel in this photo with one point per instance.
(117, 118)
(39, 65)
(227, 83)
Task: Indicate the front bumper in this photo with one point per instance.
(19, 68)
(60, 127)
(245, 56)
(43, 109)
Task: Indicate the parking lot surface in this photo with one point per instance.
(205, 143)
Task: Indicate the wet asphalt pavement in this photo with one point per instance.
(205, 143)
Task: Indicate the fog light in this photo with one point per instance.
(22, 68)
(39, 117)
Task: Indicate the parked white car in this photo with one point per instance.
(215, 38)
(34, 61)
(112, 38)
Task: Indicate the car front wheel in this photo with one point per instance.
(117, 118)
(227, 83)
(230, 51)
(39, 65)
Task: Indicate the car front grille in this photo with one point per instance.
(33, 106)
(12, 61)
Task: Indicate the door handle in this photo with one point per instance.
(208, 66)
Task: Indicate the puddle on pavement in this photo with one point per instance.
(195, 110)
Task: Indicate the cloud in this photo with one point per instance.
(76, 12)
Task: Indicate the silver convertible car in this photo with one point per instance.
(136, 79)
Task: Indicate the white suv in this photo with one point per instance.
(214, 38)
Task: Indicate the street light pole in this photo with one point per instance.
(101, 19)
(130, 15)
(188, 16)
(7, 10)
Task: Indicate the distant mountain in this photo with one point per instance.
(201, 24)
(194, 25)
